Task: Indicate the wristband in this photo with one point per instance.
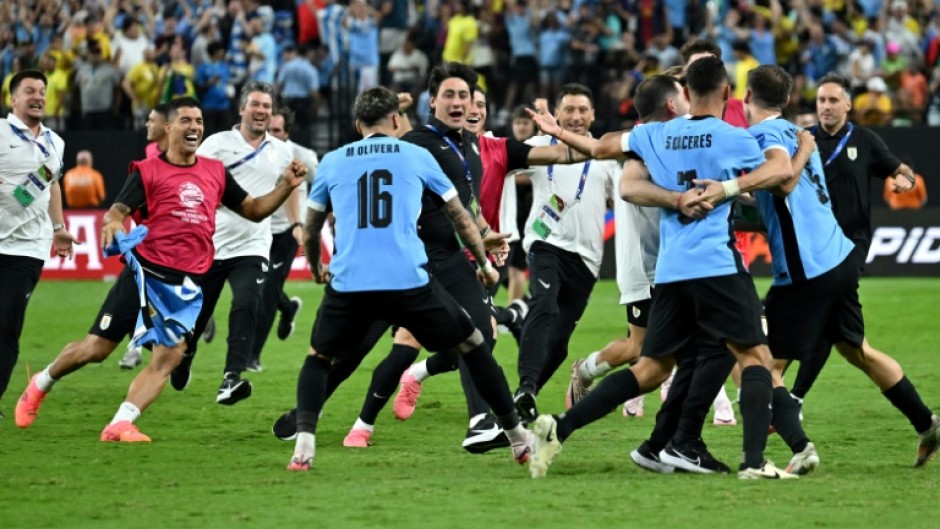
(731, 187)
(58, 227)
(297, 225)
(485, 231)
(485, 266)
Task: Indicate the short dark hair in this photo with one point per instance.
(447, 70)
(520, 113)
(652, 94)
(770, 86)
(840, 80)
(26, 74)
(697, 46)
(180, 102)
(257, 86)
(162, 108)
(374, 105)
(289, 117)
(214, 47)
(128, 23)
(741, 46)
(574, 89)
(706, 75)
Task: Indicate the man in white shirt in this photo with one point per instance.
(564, 237)
(256, 160)
(31, 218)
(287, 235)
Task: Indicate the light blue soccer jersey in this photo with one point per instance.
(804, 237)
(374, 188)
(676, 152)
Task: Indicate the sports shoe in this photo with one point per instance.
(804, 462)
(520, 309)
(358, 438)
(285, 427)
(179, 377)
(132, 358)
(664, 389)
(724, 414)
(28, 406)
(525, 406)
(208, 334)
(254, 366)
(123, 432)
(484, 435)
(927, 442)
(547, 445)
(578, 386)
(287, 323)
(233, 389)
(524, 452)
(634, 407)
(767, 471)
(409, 389)
(299, 464)
(645, 457)
(693, 457)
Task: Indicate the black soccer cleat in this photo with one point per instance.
(285, 325)
(209, 333)
(693, 457)
(181, 375)
(525, 406)
(485, 435)
(233, 389)
(285, 427)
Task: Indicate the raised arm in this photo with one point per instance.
(258, 208)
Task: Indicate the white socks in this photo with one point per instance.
(44, 381)
(516, 435)
(126, 412)
(419, 370)
(590, 369)
(361, 425)
(306, 446)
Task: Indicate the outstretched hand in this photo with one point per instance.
(543, 119)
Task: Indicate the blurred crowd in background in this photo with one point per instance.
(110, 61)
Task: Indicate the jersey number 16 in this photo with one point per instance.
(375, 206)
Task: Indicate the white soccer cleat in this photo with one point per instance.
(547, 445)
(928, 442)
(804, 462)
(767, 471)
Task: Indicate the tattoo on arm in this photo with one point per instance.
(466, 228)
(312, 228)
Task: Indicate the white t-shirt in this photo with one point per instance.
(279, 221)
(581, 228)
(132, 51)
(509, 207)
(26, 231)
(636, 245)
(236, 236)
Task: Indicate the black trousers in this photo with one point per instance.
(18, 278)
(247, 276)
(283, 250)
(560, 285)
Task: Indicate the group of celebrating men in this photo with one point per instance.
(230, 209)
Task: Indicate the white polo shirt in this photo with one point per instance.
(581, 229)
(279, 221)
(236, 236)
(26, 231)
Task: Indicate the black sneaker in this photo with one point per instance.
(519, 309)
(645, 457)
(285, 326)
(485, 435)
(180, 376)
(209, 333)
(285, 427)
(693, 457)
(525, 406)
(233, 389)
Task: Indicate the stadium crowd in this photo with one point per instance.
(110, 62)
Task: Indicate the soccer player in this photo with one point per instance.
(852, 156)
(376, 219)
(814, 296)
(30, 223)
(701, 283)
(256, 160)
(178, 193)
(286, 237)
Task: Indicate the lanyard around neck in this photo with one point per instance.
(581, 182)
(840, 146)
(248, 157)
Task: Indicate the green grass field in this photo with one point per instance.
(213, 466)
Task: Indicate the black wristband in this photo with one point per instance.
(296, 224)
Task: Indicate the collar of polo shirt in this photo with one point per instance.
(18, 123)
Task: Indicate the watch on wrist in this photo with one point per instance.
(58, 226)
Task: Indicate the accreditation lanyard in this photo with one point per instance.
(42, 148)
(463, 159)
(840, 146)
(581, 183)
(250, 156)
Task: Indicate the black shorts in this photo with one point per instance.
(638, 313)
(118, 315)
(430, 313)
(801, 316)
(517, 256)
(724, 309)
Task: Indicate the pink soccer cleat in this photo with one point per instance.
(358, 438)
(123, 432)
(634, 407)
(298, 464)
(407, 398)
(28, 406)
